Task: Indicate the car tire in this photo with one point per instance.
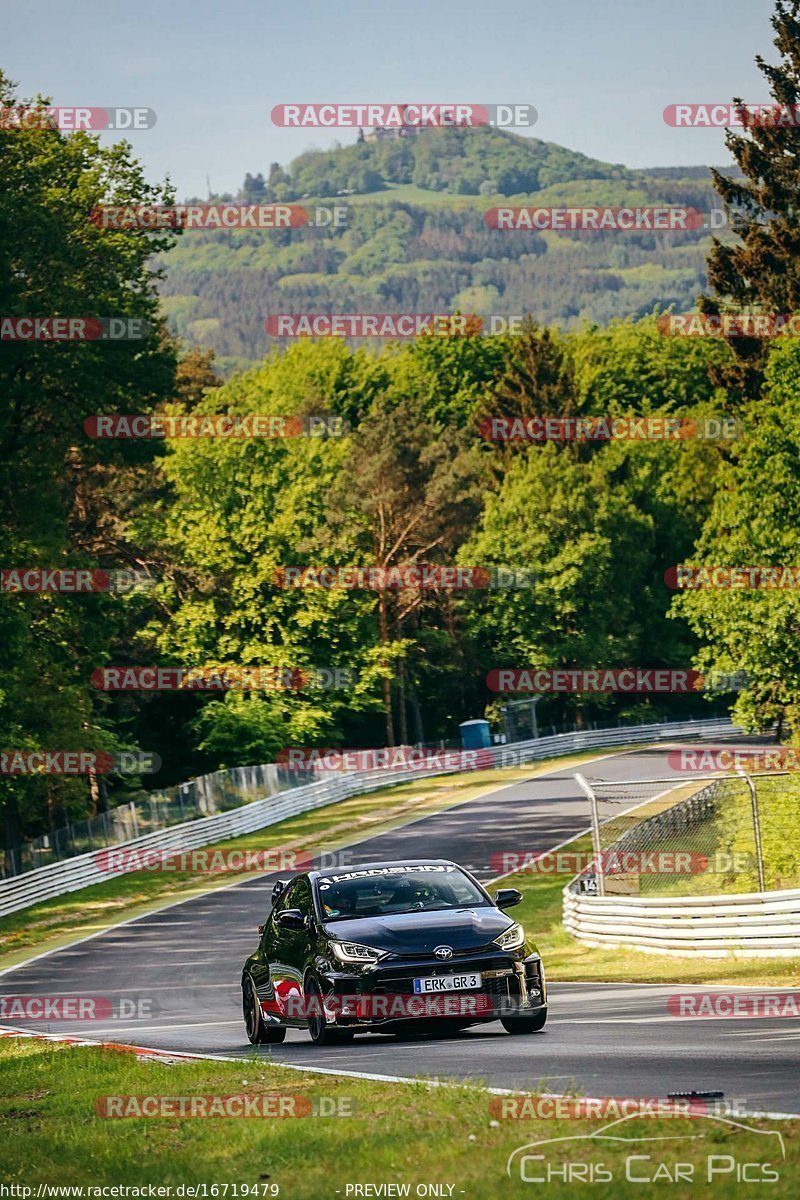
(259, 1033)
(533, 1024)
(321, 1032)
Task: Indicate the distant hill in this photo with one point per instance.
(462, 162)
(416, 240)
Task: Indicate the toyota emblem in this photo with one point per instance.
(444, 952)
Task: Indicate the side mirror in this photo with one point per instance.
(507, 897)
(292, 918)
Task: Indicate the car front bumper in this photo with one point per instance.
(383, 994)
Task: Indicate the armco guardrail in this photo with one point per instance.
(751, 925)
(45, 883)
(764, 924)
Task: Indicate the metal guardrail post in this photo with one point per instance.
(598, 854)
(756, 826)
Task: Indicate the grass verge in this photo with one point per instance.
(381, 1134)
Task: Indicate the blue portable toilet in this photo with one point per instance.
(475, 735)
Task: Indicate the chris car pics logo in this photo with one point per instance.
(731, 1152)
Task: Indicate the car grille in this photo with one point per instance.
(496, 986)
(457, 954)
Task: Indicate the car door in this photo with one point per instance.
(286, 951)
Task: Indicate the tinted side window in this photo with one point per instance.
(301, 897)
(286, 899)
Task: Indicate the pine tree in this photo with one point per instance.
(761, 270)
(537, 380)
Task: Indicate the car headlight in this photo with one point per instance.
(350, 952)
(512, 939)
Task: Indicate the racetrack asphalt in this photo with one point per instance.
(183, 966)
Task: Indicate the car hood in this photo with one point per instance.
(422, 932)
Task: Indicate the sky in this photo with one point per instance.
(599, 72)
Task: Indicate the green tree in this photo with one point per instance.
(760, 270)
(589, 549)
(55, 262)
(409, 493)
(755, 521)
(536, 379)
(244, 508)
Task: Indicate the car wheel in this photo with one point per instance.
(258, 1032)
(318, 1027)
(532, 1024)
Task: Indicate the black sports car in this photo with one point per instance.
(376, 946)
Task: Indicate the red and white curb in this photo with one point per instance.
(123, 1047)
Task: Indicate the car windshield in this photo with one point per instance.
(376, 892)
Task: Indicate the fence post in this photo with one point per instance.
(598, 854)
(756, 825)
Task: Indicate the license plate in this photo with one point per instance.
(446, 983)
